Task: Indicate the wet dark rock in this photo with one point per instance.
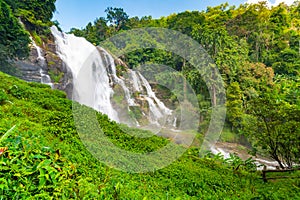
(30, 68)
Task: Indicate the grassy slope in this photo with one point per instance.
(46, 159)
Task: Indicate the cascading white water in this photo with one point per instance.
(40, 58)
(136, 81)
(113, 72)
(158, 111)
(45, 78)
(100, 69)
(83, 57)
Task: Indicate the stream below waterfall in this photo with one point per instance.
(243, 152)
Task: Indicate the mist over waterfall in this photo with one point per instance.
(97, 84)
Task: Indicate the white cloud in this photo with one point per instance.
(271, 3)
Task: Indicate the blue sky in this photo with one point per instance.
(77, 13)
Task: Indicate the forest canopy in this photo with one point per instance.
(256, 49)
(18, 21)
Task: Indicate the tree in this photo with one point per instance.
(14, 39)
(35, 14)
(117, 17)
(255, 78)
(101, 28)
(287, 62)
(185, 21)
(217, 43)
(234, 105)
(274, 125)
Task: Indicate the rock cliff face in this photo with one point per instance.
(44, 66)
(59, 73)
(29, 69)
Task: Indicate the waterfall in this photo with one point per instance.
(159, 105)
(158, 111)
(45, 78)
(41, 60)
(113, 73)
(101, 73)
(136, 81)
(77, 53)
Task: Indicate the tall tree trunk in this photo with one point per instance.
(214, 96)
(214, 89)
(279, 161)
(184, 80)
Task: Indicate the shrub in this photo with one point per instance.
(3, 97)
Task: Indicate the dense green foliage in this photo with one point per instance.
(257, 51)
(13, 38)
(273, 124)
(18, 21)
(45, 158)
(35, 14)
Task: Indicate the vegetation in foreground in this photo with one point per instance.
(45, 158)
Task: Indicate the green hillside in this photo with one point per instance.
(45, 159)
